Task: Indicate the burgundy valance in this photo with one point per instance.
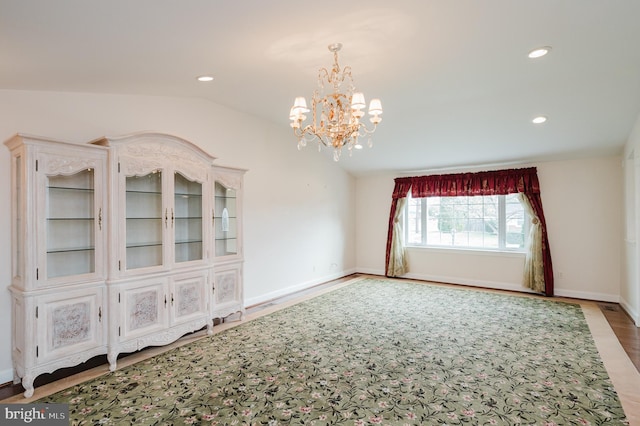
(500, 182)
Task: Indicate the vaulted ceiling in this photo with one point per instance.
(455, 81)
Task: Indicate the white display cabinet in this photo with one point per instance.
(117, 245)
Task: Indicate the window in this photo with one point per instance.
(492, 222)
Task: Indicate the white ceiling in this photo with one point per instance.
(454, 78)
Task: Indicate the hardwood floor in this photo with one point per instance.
(624, 328)
(620, 322)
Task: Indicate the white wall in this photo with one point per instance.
(299, 227)
(630, 288)
(582, 202)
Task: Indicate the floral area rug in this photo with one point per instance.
(373, 352)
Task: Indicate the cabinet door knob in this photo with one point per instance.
(172, 217)
(166, 217)
(100, 218)
(100, 313)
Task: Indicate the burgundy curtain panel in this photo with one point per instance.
(499, 182)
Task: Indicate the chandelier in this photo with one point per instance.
(336, 111)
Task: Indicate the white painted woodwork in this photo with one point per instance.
(114, 247)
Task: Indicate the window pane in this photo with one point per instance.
(414, 223)
(434, 233)
(491, 208)
(515, 222)
(491, 234)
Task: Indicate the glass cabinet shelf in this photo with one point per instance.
(69, 218)
(144, 245)
(130, 191)
(70, 189)
(66, 250)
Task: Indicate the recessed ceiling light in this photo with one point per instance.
(539, 52)
(539, 120)
(205, 78)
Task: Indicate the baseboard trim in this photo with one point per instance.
(370, 271)
(268, 297)
(585, 295)
(454, 280)
(468, 282)
(634, 314)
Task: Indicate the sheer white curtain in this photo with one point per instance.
(398, 264)
(533, 263)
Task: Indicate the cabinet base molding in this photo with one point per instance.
(158, 339)
(26, 376)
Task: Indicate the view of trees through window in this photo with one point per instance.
(494, 222)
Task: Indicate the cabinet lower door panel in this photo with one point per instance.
(143, 309)
(69, 323)
(228, 296)
(188, 297)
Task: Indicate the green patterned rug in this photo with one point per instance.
(373, 352)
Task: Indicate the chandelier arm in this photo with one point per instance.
(323, 74)
(309, 135)
(363, 128)
(324, 141)
(346, 75)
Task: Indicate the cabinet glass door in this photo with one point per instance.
(70, 224)
(144, 218)
(225, 219)
(188, 231)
